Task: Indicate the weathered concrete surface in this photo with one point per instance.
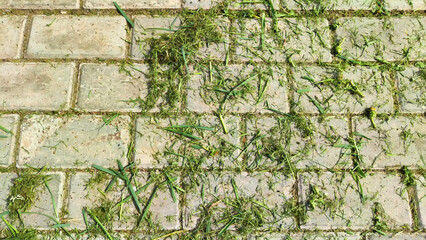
(77, 37)
(396, 142)
(214, 191)
(420, 195)
(7, 138)
(39, 4)
(46, 86)
(73, 142)
(411, 95)
(111, 87)
(333, 201)
(12, 29)
(100, 4)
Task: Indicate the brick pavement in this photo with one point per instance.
(302, 120)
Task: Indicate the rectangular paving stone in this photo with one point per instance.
(39, 4)
(412, 97)
(12, 29)
(73, 142)
(77, 37)
(383, 193)
(353, 90)
(421, 199)
(207, 89)
(6, 182)
(43, 203)
(290, 143)
(369, 38)
(398, 236)
(396, 142)
(305, 40)
(7, 138)
(216, 193)
(148, 27)
(163, 210)
(108, 88)
(35, 86)
(328, 5)
(415, 5)
(157, 147)
(129, 4)
(308, 236)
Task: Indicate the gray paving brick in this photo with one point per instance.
(309, 236)
(148, 27)
(39, 4)
(268, 85)
(6, 182)
(288, 141)
(412, 98)
(369, 38)
(109, 88)
(399, 236)
(12, 29)
(43, 203)
(328, 5)
(334, 92)
(156, 147)
(100, 4)
(77, 37)
(163, 210)
(305, 40)
(421, 198)
(405, 5)
(381, 191)
(7, 140)
(73, 142)
(213, 191)
(47, 86)
(396, 142)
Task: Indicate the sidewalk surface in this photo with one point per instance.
(203, 119)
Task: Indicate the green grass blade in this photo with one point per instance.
(5, 130)
(111, 184)
(148, 205)
(130, 197)
(183, 134)
(1, 136)
(109, 171)
(52, 198)
(316, 104)
(130, 188)
(99, 223)
(124, 14)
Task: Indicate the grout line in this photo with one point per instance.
(75, 85)
(17, 143)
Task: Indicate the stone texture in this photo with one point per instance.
(268, 86)
(43, 203)
(399, 236)
(370, 38)
(308, 236)
(12, 29)
(381, 191)
(47, 86)
(163, 210)
(111, 88)
(7, 140)
(77, 37)
(6, 182)
(415, 5)
(129, 4)
(40, 4)
(396, 142)
(305, 40)
(334, 92)
(73, 142)
(412, 97)
(328, 5)
(148, 27)
(157, 147)
(213, 191)
(421, 199)
(294, 146)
